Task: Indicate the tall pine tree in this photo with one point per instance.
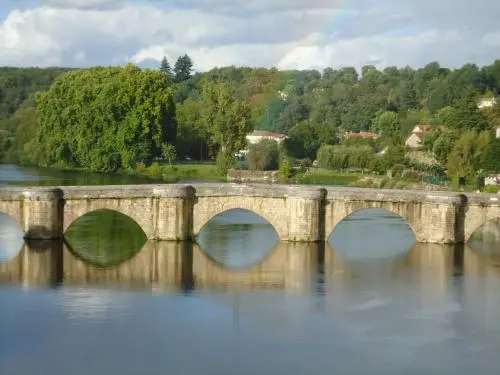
(166, 69)
(183, 67)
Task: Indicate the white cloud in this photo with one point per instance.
(287, 34)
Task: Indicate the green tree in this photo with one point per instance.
(468, 116)
(168, 152)
(104, 119)
(469, 153)
(166, 69)
(263, 156)
(387, 124)
(305, 139)
(183, 68)
(443, 146)
(227, 119)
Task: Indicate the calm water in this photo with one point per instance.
(370, 301)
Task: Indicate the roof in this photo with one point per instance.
(425, 128)
(265, 133)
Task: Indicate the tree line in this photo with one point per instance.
(110, 118)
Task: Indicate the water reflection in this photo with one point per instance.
(105, 238)
(372, 234)
(237, 238)
(11, 238)
(486, 240)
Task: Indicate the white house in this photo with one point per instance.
(486, 103)
(259, 135)
(414, 141)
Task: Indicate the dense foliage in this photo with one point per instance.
(110, 118)
(263, 156)
(104, 119)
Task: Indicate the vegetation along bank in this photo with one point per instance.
(397, 127)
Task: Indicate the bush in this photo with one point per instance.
(155, 171)
(140, 167)
(342, 157)
(263, 156)
(285, 169)
(493, 189)
(224, 162)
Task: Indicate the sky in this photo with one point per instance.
(287, 34)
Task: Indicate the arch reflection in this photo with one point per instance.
(485, 240)
(105, 238)
(372, 233)
(237, 238)
(11, 238)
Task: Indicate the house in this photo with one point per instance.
(259, 135)
(362, 135)
(486, 102)
(414, 141)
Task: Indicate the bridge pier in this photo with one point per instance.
(174, 212)
(43, 213)
(306, 214)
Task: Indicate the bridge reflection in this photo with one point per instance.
(306, 267)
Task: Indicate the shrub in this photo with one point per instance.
(492, 189)
(263, 156)
(285, 169)
(140, 167)
(155, 171)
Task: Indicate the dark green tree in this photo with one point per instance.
(166, 69)
(183, 68)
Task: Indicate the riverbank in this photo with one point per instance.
(192, 172)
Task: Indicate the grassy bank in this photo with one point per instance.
(180, 172)
(318, 176)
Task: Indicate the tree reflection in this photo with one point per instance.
(105, 238)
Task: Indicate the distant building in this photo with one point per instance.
(486, 103)
(362, 135)
(497, 132)
(414, 141)
(259, 135)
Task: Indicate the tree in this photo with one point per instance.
(469, 153)
(166, 69)
(387, 124)
(168, 152)
(227, 119)
(104, 119)
(443, 146)
(468, 116)
(263, 156)
(305, 139)
(183, 68)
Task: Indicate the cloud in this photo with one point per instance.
(284, 33)
(80, 4)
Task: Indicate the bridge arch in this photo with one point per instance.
(138, 210)
(339, 211)
(207, 209)
(477, 224)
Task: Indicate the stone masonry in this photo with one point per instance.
(176, 212)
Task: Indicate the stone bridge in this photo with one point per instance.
(298, 213)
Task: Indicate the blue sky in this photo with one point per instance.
(287, 34)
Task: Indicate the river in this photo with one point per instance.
(369, 301)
